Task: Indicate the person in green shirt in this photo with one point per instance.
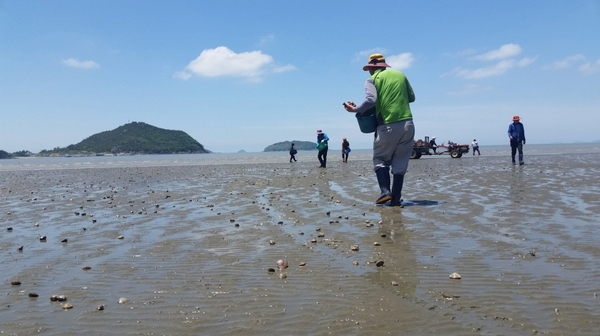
(390, 92)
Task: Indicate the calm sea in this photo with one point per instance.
(257, 157)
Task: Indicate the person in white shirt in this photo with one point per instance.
(475, 146)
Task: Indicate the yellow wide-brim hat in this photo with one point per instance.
(376, 61)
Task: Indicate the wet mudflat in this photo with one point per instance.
(194, 249)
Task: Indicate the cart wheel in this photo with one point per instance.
(455, 154)
(415, 154)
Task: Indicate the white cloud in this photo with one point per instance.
(221, 61)
(75, 63)
(284, 68)
(401, 61)
(565, 63)
(505, 58)
(525, 61)
(590, 67)
(493, 70)
(505, 51)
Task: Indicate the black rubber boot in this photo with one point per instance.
(383, 178)
(397, 190)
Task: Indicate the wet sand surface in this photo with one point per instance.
(198, 242)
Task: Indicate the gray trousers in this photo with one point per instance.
(393, 145)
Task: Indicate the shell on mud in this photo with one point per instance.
(354, 247)
(123, 300)
(282, 264)
(67, 306)
(454, 276)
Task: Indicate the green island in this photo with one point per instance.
(285, 146)
(129, 139)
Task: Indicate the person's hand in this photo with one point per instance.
(523, 142)
(510, 137)
(349, 106)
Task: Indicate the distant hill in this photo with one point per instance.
(137, 138)
(5, 155)
(285, 146)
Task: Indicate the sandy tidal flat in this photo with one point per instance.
(197, 243)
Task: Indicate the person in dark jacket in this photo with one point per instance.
(516, 134)
(433, 145)
(345, 150)
(293, 152)
(323, 147)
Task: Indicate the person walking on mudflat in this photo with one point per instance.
(475, 146)
(345, 150)
(516, 134)
(390, 92)
(323, 147)
(293, 152)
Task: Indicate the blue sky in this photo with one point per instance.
(245, 74)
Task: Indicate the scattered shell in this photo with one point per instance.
(64, 240)
(282, 263)
(271, 242)
(120, 237)
(15, 282)
(61, 298)
(100, 307)
(43, 238)
(33, 295)
(302, 264)
(54, 298)
(321, 235)
(376, 244)
(67, 306)
(9, 229)
(271, 270)
(85, 268)
(455, 276)
(394, 283)
(314, 240)
(123, 300)
(355, 263)
(282, 275)
(354, 247)
(379, 263)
